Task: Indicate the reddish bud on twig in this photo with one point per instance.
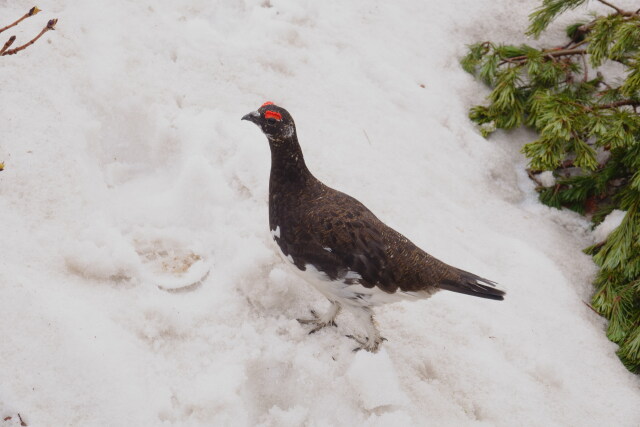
(50, 26)
(31, 12)
(7, 44)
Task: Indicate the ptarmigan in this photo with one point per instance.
(340, 247)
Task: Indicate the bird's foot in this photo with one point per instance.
(372, 345)
(318, 322)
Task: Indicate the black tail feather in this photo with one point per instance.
(470, 284)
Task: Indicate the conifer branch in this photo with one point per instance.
(34, 10)
(50, 26)
(549, 91)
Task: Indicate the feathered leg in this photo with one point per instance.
(372, 342)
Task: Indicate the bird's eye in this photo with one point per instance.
(271, 121)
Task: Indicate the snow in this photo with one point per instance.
(547, 179)
(610, 223)
(127, 167)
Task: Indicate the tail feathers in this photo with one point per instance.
(473, 285)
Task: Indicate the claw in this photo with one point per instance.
(315, 320)
(365, 345)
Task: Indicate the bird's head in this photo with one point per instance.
(275, 122)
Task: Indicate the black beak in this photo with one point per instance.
(253, 116)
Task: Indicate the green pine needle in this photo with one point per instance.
(588, 135)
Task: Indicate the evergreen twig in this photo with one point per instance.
(576, 118)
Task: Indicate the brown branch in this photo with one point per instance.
(617, 104)
(31, 12)
(7, 44)
(612, 6)
(551, 55)
(586, 68)
(50, 26)
(601, 81)
(567, 164)
(22, 423)
(591, 307)
(617, 9)
(532, 176)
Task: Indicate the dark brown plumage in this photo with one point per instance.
(340, 246)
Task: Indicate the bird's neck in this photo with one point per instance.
(287, 164)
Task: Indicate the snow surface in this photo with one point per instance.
(127, 167)
(547, 179)
(610, 223)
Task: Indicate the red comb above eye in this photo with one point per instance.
(272, 115)
(267, 103)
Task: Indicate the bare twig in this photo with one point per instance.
(533, 177)
(586, 69)
(584, 28)
(31, 12)
(50, 26)
(365, 134)
(567, 164)
(617, 9)
(591, 307)
(620, 11)
(616, 104)
(7, 44)
(22, 423)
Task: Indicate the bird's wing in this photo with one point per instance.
(342, 237)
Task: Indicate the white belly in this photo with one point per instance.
(342, 292)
